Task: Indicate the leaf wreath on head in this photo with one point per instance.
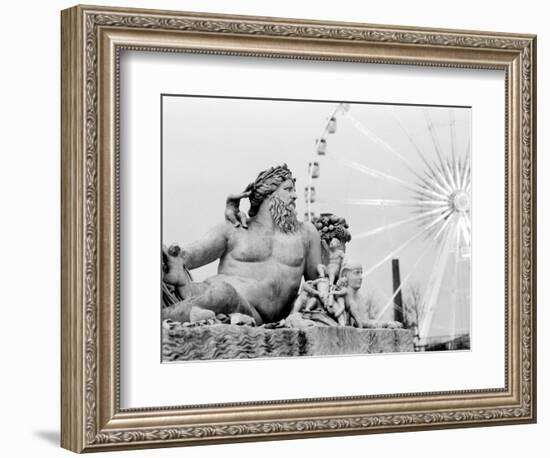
(266, 184)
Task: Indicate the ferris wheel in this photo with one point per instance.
(432, 170)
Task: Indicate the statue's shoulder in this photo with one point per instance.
(223, 229)
(310, 231)
(239, 234)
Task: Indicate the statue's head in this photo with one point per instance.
(335, 243)
(275, 187)
(353, 272)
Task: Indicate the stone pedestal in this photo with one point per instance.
(222, 341)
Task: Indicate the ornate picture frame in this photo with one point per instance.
(93, 39)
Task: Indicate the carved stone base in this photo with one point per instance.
(222, 341)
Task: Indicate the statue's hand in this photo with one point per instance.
(233, 213)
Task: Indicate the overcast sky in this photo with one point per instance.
(215, 146)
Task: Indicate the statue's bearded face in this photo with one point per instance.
(282, 206)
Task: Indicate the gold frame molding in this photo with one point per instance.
(92, 39)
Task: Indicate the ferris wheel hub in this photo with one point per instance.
(460, 201)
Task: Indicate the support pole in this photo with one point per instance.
(398, 300)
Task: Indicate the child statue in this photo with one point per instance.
(309, 296)
(354, 300)
(336, 304)
(336, 257)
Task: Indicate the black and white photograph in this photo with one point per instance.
(313, 227)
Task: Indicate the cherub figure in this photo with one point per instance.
(336, 257)
(174, 272)
(336, 304)
(353, 273)
(309, 296)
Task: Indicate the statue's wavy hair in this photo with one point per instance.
(266, 184)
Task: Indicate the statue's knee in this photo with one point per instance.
(177, 312)
(224, 294)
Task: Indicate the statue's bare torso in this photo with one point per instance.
(259, 272)
(265, 266)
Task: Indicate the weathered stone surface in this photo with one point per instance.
(221, 341)
(346, 340)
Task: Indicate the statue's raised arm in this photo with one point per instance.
(233, 212)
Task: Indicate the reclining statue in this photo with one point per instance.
(262, 258)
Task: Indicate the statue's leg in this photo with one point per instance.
(310, 304)
(341, 306)
(298, 305)
(180, 311)
(342, 319)
(220, 297)
(332, 272)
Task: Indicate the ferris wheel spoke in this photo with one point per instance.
(426, 194)
(466, 170)
(437, 147)
(434, 177)
(441, 230)
(456, 287)
(421, 216)
(465, 226)
(452, 122)
(468, 222)
(427, 185)
(449, 172)
(391, 300)
(467, 179)
(403, 245)
(434, 283)
(430, 183)
(455, 160)
(426, 188)
(381, 293)
(439, 176)
(452, 173)
(377, 140)
(447, 166)
(456, 169)
(461, 168)
(372, 172)
(386, 202)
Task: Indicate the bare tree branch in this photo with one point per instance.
(414, 307)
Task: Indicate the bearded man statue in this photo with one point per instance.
(262, 257)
